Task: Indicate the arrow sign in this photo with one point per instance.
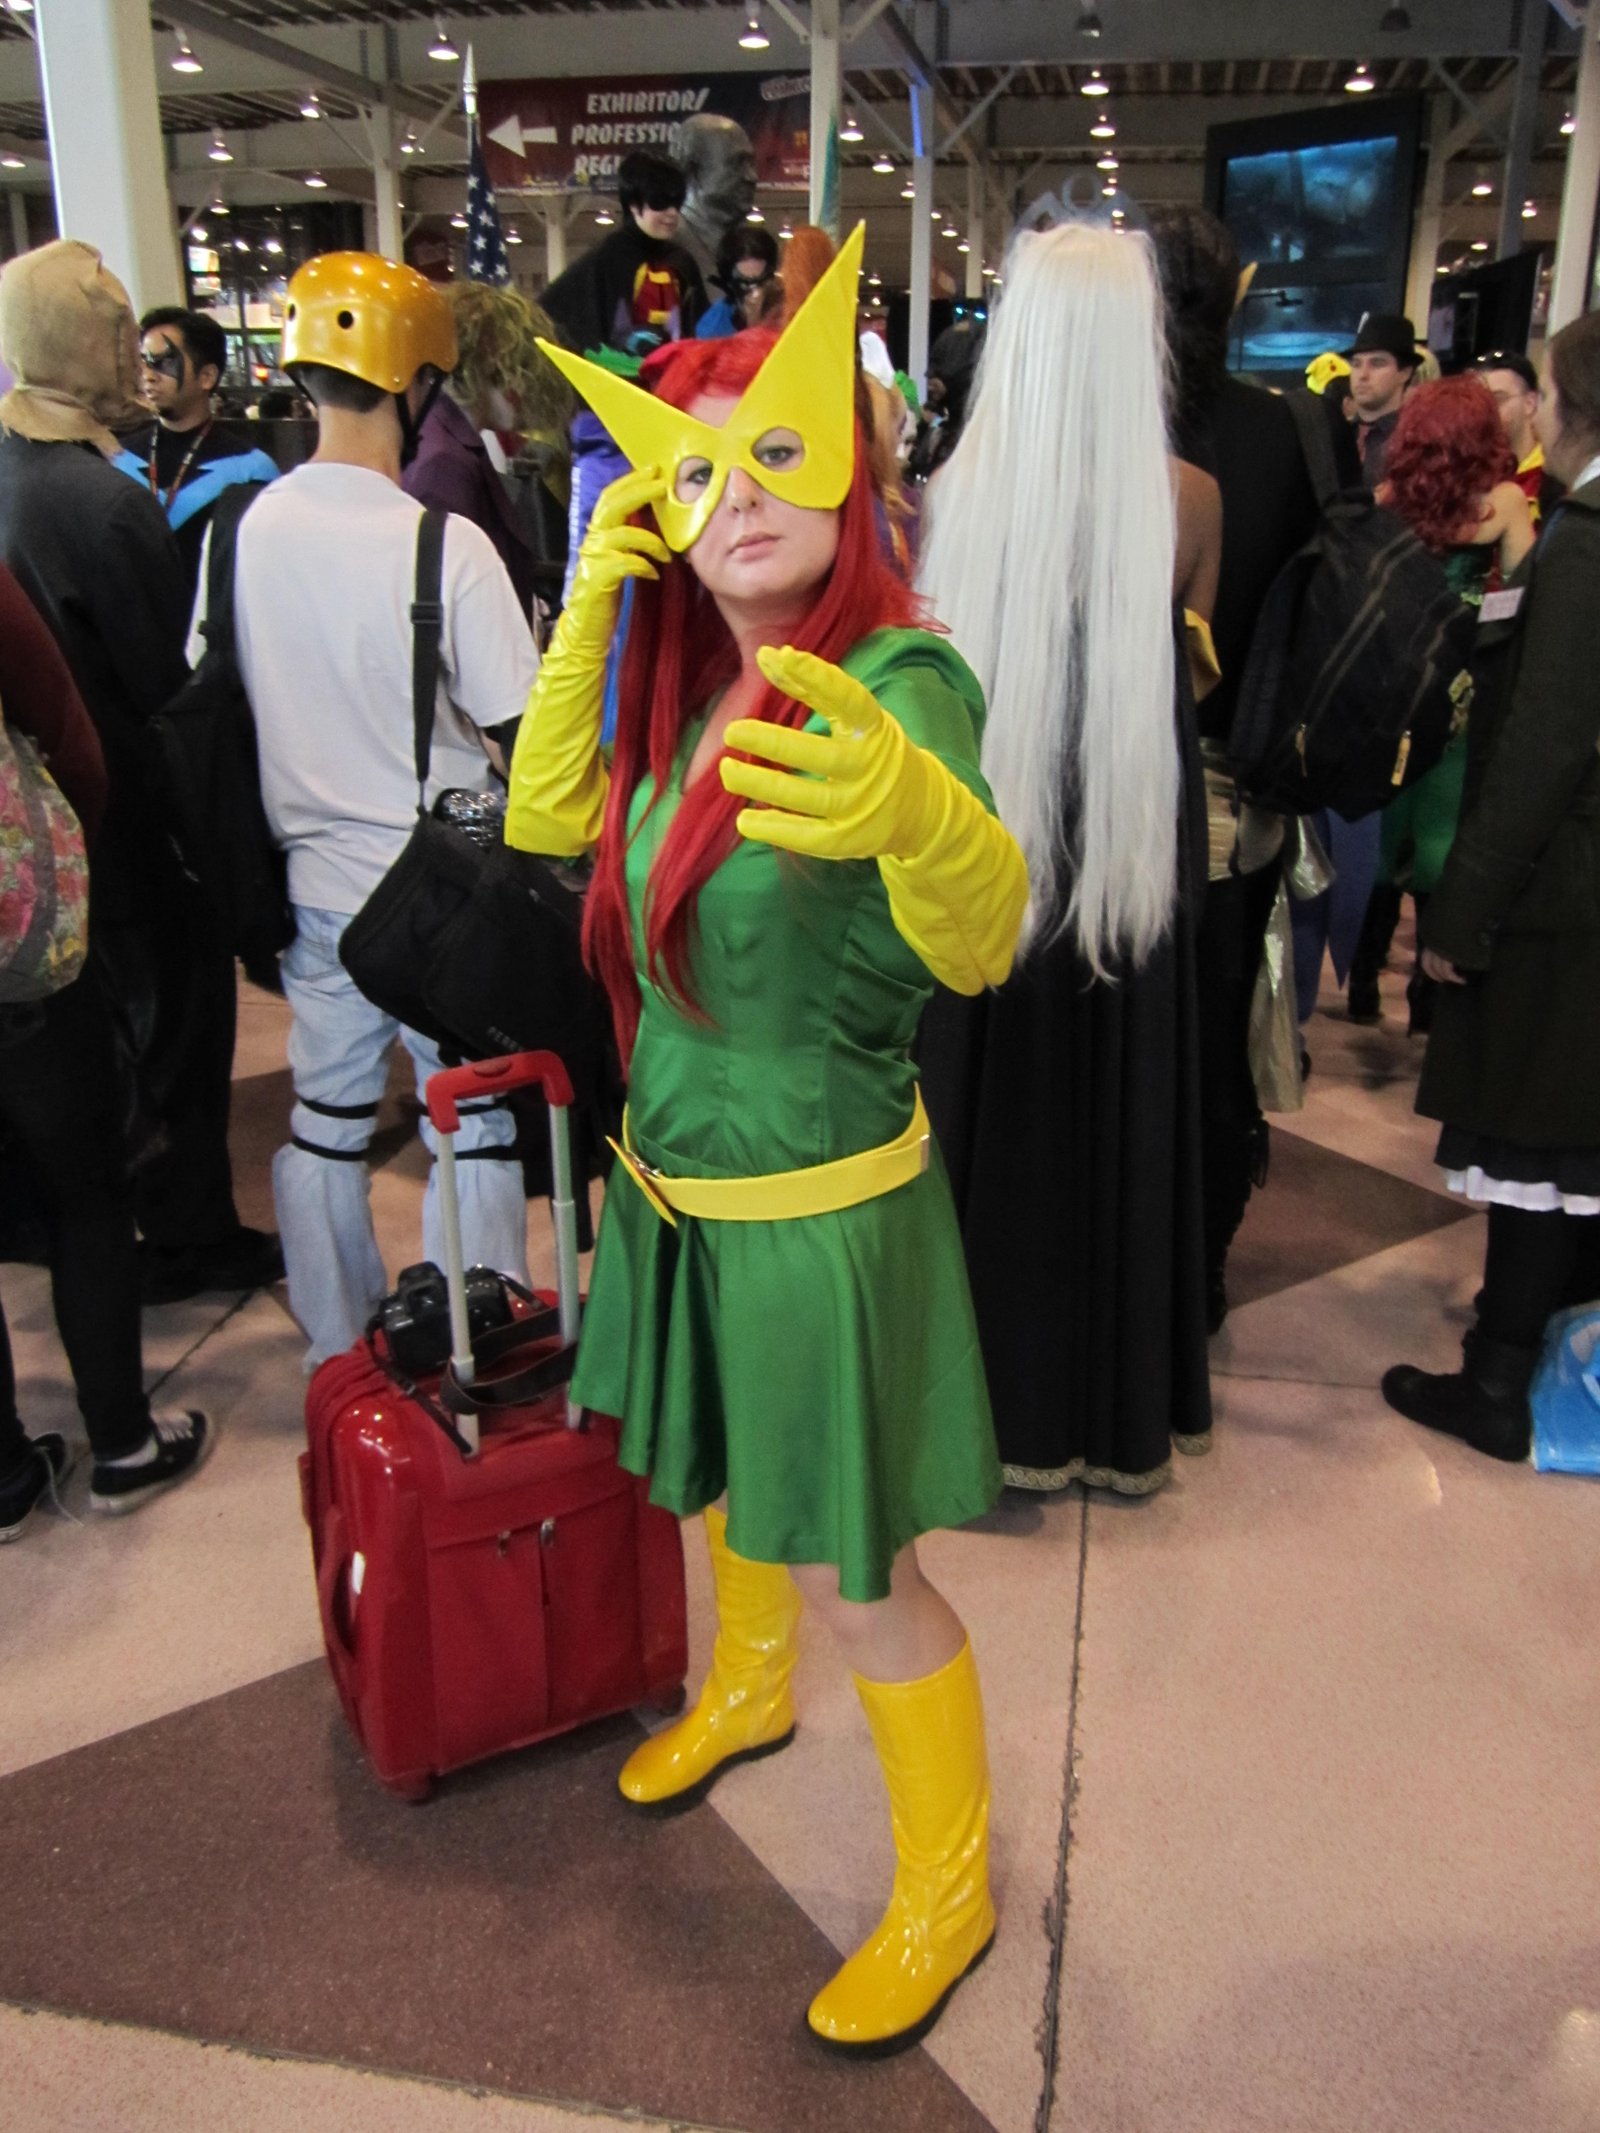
(513, 136)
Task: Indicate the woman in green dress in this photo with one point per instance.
(792, 841)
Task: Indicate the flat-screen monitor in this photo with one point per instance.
(1321, 203)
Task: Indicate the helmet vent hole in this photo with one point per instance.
(347, 319)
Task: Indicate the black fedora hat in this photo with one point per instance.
(1385, 333)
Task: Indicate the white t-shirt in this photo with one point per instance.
(323, 585)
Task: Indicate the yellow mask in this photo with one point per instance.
(806, 388)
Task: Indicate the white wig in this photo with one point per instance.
(1050, 560)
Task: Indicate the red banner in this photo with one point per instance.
(572, 133)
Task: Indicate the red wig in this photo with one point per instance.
(678, 653)
(1448, 450)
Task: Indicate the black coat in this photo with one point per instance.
(94, 553)
(1513, 1052)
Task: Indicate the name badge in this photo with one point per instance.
(1501, 606)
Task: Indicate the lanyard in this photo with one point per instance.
(184, 464)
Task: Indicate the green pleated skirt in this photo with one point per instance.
(823, 1372)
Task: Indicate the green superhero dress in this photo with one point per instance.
(1420, 826)
(824, 1370)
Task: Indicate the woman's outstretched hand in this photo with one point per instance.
(859, 791)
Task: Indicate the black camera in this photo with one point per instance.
(415, 1318)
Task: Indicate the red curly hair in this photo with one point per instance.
(679, 652)
(1448, 450)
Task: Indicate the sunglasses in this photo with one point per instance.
(747, 284)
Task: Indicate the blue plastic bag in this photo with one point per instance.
(1566, 1395)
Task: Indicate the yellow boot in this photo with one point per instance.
(940, 1921)
(745, 1709)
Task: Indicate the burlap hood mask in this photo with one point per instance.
(68, 332)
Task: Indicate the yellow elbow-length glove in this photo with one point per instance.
(956, 877)
(557, 799)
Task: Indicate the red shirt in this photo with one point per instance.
(39, 697)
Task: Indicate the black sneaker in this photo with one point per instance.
(184, 1443)
(40, 1477)
(249, 1259)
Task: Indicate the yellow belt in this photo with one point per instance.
(783, 1195)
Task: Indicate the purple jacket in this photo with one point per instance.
(453, 472)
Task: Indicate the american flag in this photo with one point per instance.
(486, 244)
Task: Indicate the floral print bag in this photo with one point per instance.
(44, 877)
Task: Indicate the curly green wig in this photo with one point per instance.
(497, 331)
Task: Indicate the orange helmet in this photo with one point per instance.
(358, 313)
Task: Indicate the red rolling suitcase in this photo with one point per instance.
(487, 1574)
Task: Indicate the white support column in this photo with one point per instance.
(99, 73)
(1519, 134)
(921, 232)
(388, 222)
(1430, 218)
(975, 235)
(827, 83)
(555, 238)
(1569, 288)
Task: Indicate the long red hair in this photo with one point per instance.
(679, 651)
(1448, 450)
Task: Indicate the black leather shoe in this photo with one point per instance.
(1362, 998)
(1484, 1404)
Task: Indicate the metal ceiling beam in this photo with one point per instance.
(202, 15)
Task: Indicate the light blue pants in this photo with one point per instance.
(339, 1049)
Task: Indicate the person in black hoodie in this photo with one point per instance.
(638, 288)
(94, 554)
(1246, 439)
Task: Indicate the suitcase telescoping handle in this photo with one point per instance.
(489, 1078)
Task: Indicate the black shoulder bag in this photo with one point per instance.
(206, 772)
(474, 944)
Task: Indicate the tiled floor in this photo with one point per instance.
(1295, 1771)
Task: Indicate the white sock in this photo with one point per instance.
(144, 1456)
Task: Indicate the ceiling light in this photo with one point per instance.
(241, 244)
(785, 234)
(753, 38)
(1569, 124)
(1096, 85)
(1109, 189)
(883, 164)
(1480, 245)
(1089, 23)
(1395, 23)
(1360, 82)
(19, 7)
(411, 146)
(949, 230)
(851, 129)
(311, 108)
(1106, 162)
(1116, 214)
(513, 235)
(963, 246)
(603, 218)
(317, 182)
(219, 206)
(458, 222)
(1483, 190)
(274, 246)
(442, 48)
(908, 191)
(219, 151)
(197, 233)
(874, 281)
(755, 215)
(1104, 127)
(1441, 270)
(183, 59)
(1530, 208)
(12, 163)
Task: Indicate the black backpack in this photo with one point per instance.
(207, 772)
(1358, 668)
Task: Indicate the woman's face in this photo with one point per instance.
(1566, 456)
(758, 556)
